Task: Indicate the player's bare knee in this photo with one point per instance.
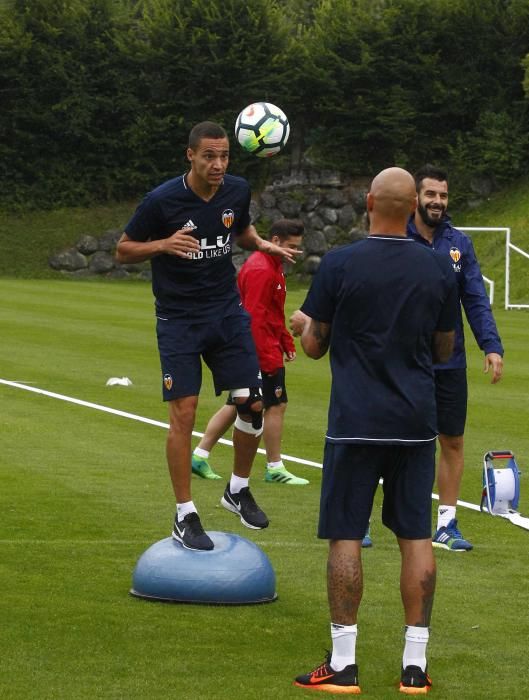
(451, 442)
(182, 413)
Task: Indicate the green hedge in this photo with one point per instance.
(98, 96)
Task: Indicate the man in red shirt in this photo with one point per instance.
(262, 287)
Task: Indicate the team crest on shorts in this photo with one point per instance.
(228, 217)
(455, 254)
(278, 391)
(168, 382)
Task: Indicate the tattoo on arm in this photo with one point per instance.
(442, 346)
(320, 333)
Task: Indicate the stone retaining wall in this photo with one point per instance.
(332, 209)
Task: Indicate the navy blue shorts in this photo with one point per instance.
(226, 346)
(350, 479)
(274, 388)
(451, 395)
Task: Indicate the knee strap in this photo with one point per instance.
(246, 427)
(253, 395)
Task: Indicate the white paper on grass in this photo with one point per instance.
(119, 381)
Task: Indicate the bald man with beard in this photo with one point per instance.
(386, 309)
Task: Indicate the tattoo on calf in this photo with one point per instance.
(428, 587)
(344, 587)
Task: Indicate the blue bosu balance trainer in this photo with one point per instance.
(235, 572)
(501, 487)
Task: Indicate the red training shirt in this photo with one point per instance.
(263, 291)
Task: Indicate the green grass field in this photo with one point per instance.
(84, 493)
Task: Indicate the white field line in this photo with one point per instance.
(120, 543)
(159, 424)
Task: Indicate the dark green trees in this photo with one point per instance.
(98, 96)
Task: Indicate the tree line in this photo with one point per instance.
(98, 96)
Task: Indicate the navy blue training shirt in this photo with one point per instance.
(202, 286)
(385, 297)
(457, 246)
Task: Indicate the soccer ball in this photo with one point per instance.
(262, 129)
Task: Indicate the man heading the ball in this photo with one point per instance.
(186, 227)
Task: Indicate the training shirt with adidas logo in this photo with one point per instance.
(202, 286)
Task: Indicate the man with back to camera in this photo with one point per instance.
(431, 227)
(386, 308)
(185, 228)
(262, 286)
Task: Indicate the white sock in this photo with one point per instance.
(237, 483)
(275, 465)
(184, 509)
(415, 647)
(444, 515)
(199, 452)
(343, 646)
